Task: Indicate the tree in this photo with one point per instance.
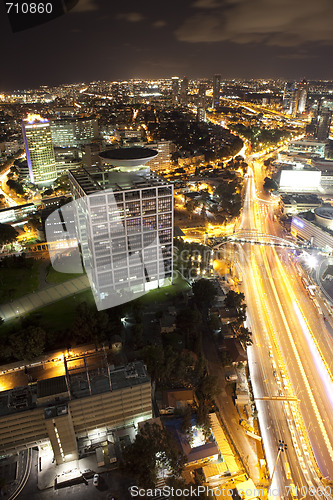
(137, 333)
(7, 234)
(48, 192)
(190, 206)
(208, 388)
(234, 299)
(34, 222)
(204, 291)
(89, 325)
(270, 184)
(203, 419)
(15, 186)
(28, 343)
(155, 447)
(187, 423)
(214, 323)
(244, 335)
(189, 320)
(154, 359)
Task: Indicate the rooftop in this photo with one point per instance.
(26, 397)
(99, 179)
(128, 157)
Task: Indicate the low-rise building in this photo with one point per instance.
(306, 228)
(86, 404)
(308, 146)
(296, 203)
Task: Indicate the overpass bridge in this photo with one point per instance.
(254, 237)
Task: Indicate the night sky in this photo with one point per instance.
(109, 40)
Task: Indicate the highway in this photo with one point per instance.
(286, 357)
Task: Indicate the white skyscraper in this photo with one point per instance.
(125, 227)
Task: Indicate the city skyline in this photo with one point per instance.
(97, 41)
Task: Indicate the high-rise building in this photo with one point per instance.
(175, 89)
(294, 100)
(287, 96)
(302, 96)
(72, 132)
(323, 124)
(90, 154)
(201, 100)
(39, 150)
(216, 90)
(183, 91)
(201, 114)
(163, 161)
(125, 225)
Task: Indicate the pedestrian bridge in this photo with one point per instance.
(256, 238)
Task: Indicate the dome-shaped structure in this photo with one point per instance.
(128, 158)
(324, 216)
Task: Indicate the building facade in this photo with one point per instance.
(72, 132)
(82, 406)
(216, 90)
(164, 159)
(39, 150)
(125, 226)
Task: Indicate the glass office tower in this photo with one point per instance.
(39, 150)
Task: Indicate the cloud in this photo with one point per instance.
(131, 17)
(285, 23)
(85, 6)
(159, 24)
(207, 4)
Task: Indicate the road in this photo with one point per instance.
(284, 360)
(9, 199)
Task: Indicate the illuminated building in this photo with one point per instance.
(294, 100)
(126, 225)
(323, 124)
(287, 96)
(302, 92)
(216, 90)
(315, 228)
(72, 132)
(183, 91)
(83, 407)
(175, 89)
(201, 114)
(39, 150)
(201, 102)
(310, 147)
(163, 161)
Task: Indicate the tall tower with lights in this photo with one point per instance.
(216, 90)
(39, 150)
(303, 93)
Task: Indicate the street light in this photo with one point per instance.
(282, 446)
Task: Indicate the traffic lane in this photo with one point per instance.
(303, 337)
(322, 329)
(272, 419)
(315, 432)
(296, 458)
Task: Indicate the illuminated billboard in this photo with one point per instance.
(300, 180)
